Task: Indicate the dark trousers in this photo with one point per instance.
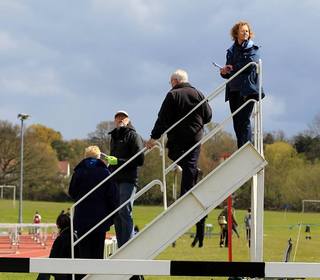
(189, 169)
(241, 120)
(199, 232)
(248, 235)
(92, 246)
(224, 236)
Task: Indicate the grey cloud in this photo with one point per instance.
(109, 55)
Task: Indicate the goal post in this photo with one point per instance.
(315, 205)
(13, 188)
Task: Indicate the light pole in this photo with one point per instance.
(22, 117)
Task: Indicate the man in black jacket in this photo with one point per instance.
(125, 143)
(180, 100)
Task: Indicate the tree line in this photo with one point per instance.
(292, 173)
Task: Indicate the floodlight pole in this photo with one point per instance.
(22, 117)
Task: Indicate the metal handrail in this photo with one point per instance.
(220, 126)
(161, 145)
(136, 196)
(212, 95)
(210, 134)
(144, 150)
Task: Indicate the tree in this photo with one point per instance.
(62, 149)
(44, 134)
(40, 162)
(314, 127)
(282, 159)
(274, 136)
(76, 151)
(100, 136)
(41, 170)
(302, 142)
(9, 153)
(308, 145)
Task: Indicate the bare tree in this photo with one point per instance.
(100, 136)
(9, 152)
(314, 127)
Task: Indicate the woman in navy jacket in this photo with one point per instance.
(87, 174)
(245, 86)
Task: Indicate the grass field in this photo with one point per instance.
(278, 228)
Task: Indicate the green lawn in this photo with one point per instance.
(279, 227)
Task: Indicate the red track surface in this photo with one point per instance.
(28, 248)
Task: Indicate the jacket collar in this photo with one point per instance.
(121, 130)
(245, 45)
(182, 85)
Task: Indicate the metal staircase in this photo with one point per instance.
(190, 208)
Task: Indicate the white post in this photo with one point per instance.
(257, 189)
(165, 205)
(14, 196)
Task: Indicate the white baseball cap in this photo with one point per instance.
(121, 112)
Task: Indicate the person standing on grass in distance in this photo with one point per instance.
(247, 223)
(95, 207)
(125, 143)
(37, 221)
(223, 216)
(179, 101)
(222, 221)
(246, 85)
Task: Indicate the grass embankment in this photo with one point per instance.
(278, 228)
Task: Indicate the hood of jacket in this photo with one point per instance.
(247, 44)
(90, 163)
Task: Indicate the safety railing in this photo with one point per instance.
(258, 143)
(136, 196)
(258, 136)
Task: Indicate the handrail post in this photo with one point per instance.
(257, 189)
(260, 108)
(165, 204)
(72, 236)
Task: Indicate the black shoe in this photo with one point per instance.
(193, 243)
(200, 244)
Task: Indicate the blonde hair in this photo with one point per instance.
(92, 151)
(235, 30)
(180, 75)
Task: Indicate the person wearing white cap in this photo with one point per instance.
(125, 143)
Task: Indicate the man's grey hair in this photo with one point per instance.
(180, 75)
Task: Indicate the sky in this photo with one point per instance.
(73, 64)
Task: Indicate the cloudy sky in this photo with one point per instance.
(72, 64)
